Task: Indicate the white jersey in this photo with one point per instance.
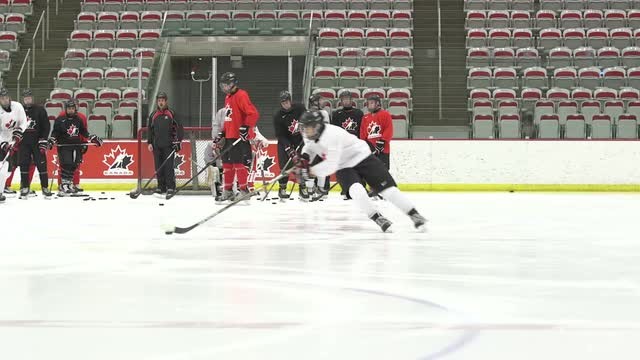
(338, 149)
(325, 116)
(16, 119)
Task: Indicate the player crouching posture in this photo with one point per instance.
(329, 149)
(67, 132)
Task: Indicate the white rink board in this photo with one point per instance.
(516, 162)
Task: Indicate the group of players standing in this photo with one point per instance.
(26, 136)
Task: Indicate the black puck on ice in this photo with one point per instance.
(321, 200)
(290, 198)
(273, 203)
(102, 193)
(86, 199)
(93, 199)
(510, 191)
(103, 198)
(113, 198)
(161, 204)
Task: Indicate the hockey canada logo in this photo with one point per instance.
(10, 124)
(349, 124)
(31, 123)
(264, 163)
(373, 130)
(294, 127)
(118, 162)
(178, 161)
(72, 130)
(228, 111)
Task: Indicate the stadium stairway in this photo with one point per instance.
(47, 62)
(425, 78)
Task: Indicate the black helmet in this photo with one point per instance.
(375, 98)
(314, 101)
(345, 94)
(71, 103)
(27, 92)
(5, 105)
(312, 119)
(161, 95)
(4, 91)
(285, 95)
(228, 81)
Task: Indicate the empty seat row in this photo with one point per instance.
(16, 6)
(83, 39)
(371, 38)
(334, 57)
(153, 19)
(554, 94)
(390, 97)
(572, 38)
(226, 5)
(545, 19)
(124, 107)
(93, 78)
(555, 5)
(370, 77)
(91, 95)
(104, 58)
(13, 22)
(568, 78)
(558, 57)
(523, 5)
(120, 127)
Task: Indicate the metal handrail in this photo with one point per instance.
(28, 63)
(306, 91)
(33, 42)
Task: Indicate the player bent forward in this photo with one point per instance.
(329, 148)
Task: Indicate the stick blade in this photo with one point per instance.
(184, 230)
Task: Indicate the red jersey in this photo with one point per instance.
(82, 117)
(239, 111)
(376, 126)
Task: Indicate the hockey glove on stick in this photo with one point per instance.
(176, 146)
(51, 142)
(218, 141)
(17, 137)
(244, 132)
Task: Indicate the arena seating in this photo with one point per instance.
(570, 66)
(13, 14)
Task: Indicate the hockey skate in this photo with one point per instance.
(77, 188)
(66, 190)
(46, 193)
(227, 195)
(245, 194)
(24, 193)
(2, 198)
(282, 193)
(170, 193)
(32, 193)
(381, 221)
(418, 220)
(303, 193)
(9, 192)
(159, 193)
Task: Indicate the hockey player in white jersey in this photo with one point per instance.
(330, 149)
(13, 122)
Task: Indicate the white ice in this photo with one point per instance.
(498, 276)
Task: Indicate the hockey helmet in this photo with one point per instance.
(27, 92)
(161, 95)
(5, 99)
(285, 95)
(228, 81)
(346, 94)
(314, 101)
(377, 103)
(312, 123)
(27, 98)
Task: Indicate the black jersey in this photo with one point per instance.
(164, 128)
(348, 119)
(38, 126)
(285, 123)
(69, 130)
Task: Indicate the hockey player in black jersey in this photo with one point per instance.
(348, 117)
(67, 132)
(33, 147)
(285, 123)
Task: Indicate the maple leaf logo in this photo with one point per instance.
(374, 130)
(178, 161)
(31, 124)
(72, 130)
(228, 111)
(294, 128)
(118, 162)
(264, 163)
(349, 124)
(10, 124)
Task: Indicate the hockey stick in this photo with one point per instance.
(184, 230)
(80, 144)
(212, 162)
(320, 197)
(136, 194)
(281, 172)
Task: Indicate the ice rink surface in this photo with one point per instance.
(498, 276)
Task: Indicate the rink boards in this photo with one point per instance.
(421, 165)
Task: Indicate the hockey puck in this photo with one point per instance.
(161, 204)
(273, 203)
(93, 199)
(86, 199)
(510, 191)
(321, 200)
(168, 232)
(113, 198)
(103, 198)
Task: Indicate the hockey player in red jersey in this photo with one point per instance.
(240, 120)
(377, 129)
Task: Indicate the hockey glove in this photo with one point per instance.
(301, 163)
(52, 142)
(218, 141)
(43, 145)
(4, 149)
(380, 146)
(96, 140)
(176, 146)
(84, 149)
(291, 152)
(244, 132)
(17, 137)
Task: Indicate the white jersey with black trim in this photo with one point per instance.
(16, 119)
(325, 116)
(338, 150)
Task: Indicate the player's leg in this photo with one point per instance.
(283, 158)
(66, 155)
(170, 171)
(40, 159)
(157, 160)
(12, 161)
(242, 152)
(25, 154)
(350, 180)
(374, 171)
(228, 172)
(4, 173)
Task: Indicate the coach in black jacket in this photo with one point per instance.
(165, 136)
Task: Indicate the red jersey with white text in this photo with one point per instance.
(239, 111)
(377, 126)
